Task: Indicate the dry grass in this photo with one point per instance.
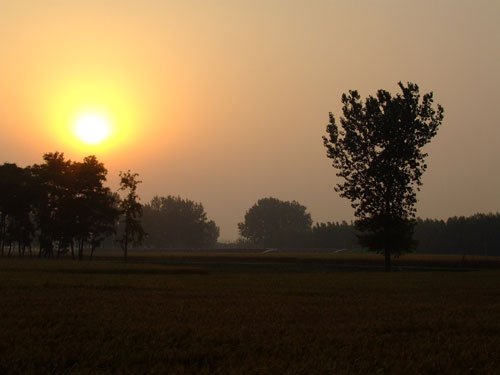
(61, 317)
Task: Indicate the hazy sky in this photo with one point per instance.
(225, 102)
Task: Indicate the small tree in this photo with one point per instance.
(272, 222)
(377, 151)
(132, 212)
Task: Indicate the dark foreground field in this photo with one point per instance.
(192, 315)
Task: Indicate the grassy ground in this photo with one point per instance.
(168, 317)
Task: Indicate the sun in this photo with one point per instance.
(92, 128)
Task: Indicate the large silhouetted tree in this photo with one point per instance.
(378, 152)
(272, 222)
(132, 212)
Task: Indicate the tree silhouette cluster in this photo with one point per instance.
(274, 223)
(60, 204)
(174, 222)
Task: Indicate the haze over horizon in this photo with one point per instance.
(225, 102)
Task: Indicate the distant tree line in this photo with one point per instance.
(478, 234)
(60, 207)
(272, 223)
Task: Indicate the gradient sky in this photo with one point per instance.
(225, 102)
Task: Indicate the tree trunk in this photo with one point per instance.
(125, 248)
(388, 226)
(2, 233)
(387, 255)
(125, 239)
(80, 249)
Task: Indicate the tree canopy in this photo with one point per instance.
(275, 223)
(377, 150)
(16, 202)
(62, 203)
(174, 222)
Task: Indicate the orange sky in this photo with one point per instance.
(225, 102)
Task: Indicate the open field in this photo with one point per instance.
(188, 314)
(293, 261)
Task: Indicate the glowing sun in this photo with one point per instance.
(92, 128)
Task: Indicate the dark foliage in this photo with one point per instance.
(478, 234)
(275, 223)
(475, 235)
(16, 200)
(336, 236)
(377, 150)
(173, 222)
(131, 211)
(62, 204)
